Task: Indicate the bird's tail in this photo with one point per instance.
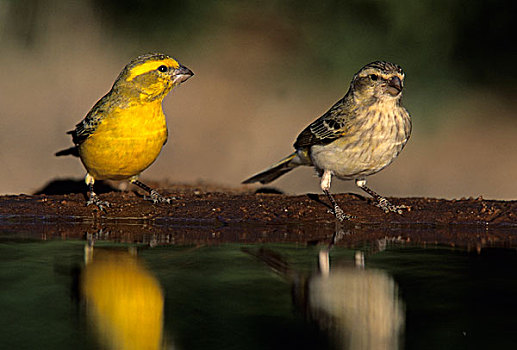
(275, 171)
(72, 151)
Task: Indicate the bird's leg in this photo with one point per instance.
(325, 186)
(154, 196)
(382, 202)
(92, 196)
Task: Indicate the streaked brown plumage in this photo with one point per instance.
(359, 136)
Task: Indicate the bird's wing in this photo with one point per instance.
(327, 128)
(89, 124)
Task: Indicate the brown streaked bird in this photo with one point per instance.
(359, 136)
(124, 132)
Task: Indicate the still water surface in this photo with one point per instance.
(68, 294)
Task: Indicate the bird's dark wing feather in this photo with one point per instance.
(89, 124)
(326, 128)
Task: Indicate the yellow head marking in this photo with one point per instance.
(151, 65)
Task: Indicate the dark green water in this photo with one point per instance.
(270, 296)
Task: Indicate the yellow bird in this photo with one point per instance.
(124, 132)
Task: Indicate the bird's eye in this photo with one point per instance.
(162, 69)
(374, 77)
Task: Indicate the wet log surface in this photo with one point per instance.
(204, 214)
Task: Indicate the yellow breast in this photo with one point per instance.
(126, 142)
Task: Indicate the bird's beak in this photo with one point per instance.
(394, 86)
(181, 74)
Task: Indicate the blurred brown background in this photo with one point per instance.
(263, 72)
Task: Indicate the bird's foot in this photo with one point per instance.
(385, 205)
(102, 205)
(340, 214)
(155, 197)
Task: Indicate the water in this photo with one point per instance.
(67, 293)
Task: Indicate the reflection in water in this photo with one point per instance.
(124, 301)
(359, 308)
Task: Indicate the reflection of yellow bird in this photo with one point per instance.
(124, 132)
(124, 301)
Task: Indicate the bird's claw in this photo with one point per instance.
(155, 197)
(102, 205)
(385, 205)
(340, 214)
